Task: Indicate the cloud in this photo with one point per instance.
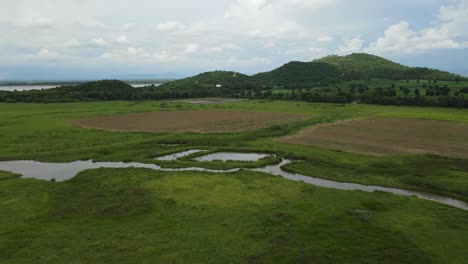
(98, 42)
(223, 48)
(325, 39)
(129, 26)
(353, 45)
(191, 48)
(132, 51)
(451, 24)
(194, 36)
(122, 39)
(36, 22)
(47, 53)
(170, 26)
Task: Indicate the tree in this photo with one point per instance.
(406, 91)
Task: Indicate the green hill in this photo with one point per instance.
(361, 66)
(299, 74)
(96, 86)
(227, 79)
(330, 69)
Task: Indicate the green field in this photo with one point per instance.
(138, 215)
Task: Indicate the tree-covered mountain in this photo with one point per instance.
(227, 79)
(330, 69)
(299, 74)
(362, 66)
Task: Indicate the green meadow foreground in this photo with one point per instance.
(139, 215)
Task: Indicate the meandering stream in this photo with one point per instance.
(66, 171)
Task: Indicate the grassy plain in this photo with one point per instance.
(144, 216)
(138, 215)
(189, 121)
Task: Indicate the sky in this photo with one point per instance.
(97, 39)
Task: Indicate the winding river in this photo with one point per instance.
(66, 171)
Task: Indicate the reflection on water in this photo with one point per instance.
(65, 171)
(226, 156)
(276, 170)
(178, 155)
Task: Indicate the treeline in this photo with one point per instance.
(389, 98)
(109, 90)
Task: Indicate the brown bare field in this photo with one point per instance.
(384, 136)
(189, 121)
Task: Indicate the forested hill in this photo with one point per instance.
(361, 66)
(299, 74)
(226, 79)
(328, 70)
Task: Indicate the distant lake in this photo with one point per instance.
(139, 85)
(24, 87)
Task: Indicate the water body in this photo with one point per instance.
(226, 156)
(65, 171)
(140, 85)
(23, 87)
(178, 155)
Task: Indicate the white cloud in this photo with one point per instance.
(223, 48)
(122, 39)
(325, 39)
(191, 48)
(135, 51)
(451, 24)
(36, 21)
(353, 45)
(73, 43)
(205, 34)
(170, 26)
(129, 26)
(47, 53)
(99, 42)
(318, 52)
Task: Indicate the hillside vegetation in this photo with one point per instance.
(361, 66)
(299, 74)
(354, 78)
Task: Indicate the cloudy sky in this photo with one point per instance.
(88, 39)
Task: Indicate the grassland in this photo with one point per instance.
(138, 215)
(189, 121)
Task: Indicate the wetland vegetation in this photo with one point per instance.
(136, 214)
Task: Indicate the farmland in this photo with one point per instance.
(139, 215)
(380, 136)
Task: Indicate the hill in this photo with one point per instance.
(299, 74)
(330, 69)
(362, 66)
(227, 79)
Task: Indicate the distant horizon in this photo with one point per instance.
(92, 40)
(176, 76)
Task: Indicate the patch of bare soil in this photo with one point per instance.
(383, 136)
